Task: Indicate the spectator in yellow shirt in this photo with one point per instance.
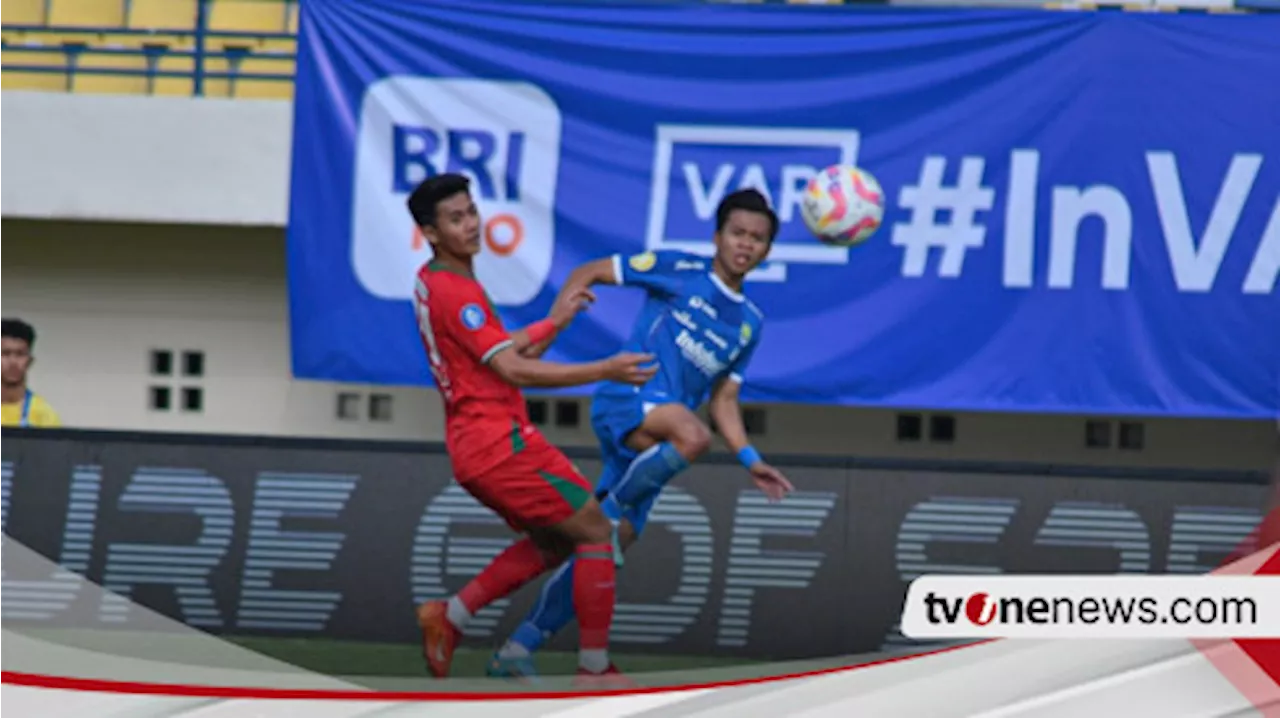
(21, 406)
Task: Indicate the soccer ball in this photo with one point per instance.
(843, 205)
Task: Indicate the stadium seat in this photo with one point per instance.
(42, 81)
(264, 89)
(87, 13)
(174, 41)
(218, 86)
(10, 37)
(278, 46)
(181, 86)
(113, 83)
(12, 79)
(248, 15)
(23, 12)
(162, 14)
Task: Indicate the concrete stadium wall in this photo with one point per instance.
(103, 295)
(181, 160)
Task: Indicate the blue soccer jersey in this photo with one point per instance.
(702, 333)
(700, 330)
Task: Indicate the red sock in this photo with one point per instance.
(520, 563)
(593, 594)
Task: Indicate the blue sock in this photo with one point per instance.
(552, 612)
(648, 473)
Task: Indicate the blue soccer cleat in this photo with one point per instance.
(517, 669)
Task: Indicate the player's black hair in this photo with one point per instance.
(750, 200)
(18, 329)
(431, 192)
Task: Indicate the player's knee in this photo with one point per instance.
(553, 547)
(692, 440)
(593, 526)
(626, 534)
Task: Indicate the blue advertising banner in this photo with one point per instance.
(1083, 210)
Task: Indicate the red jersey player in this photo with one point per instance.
(498, 456)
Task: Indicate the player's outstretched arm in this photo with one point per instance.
(660, 273)
(586, 276)
(522, 371)
(726, 414)
(534, 340)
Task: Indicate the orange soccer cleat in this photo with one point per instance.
(439, 637)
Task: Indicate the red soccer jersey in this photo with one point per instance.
(461, 332)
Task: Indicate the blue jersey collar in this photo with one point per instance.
(724, 288)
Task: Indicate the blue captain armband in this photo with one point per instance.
(748, 456)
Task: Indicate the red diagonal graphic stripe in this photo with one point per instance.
(196, 691)
(1252, 665)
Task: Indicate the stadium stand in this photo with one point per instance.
(151, 14)
(25, 12)
(86, 13)
(247, 48)
(219, 48)
(250, 15)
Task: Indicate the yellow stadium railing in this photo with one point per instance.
(230, 48)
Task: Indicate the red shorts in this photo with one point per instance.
(537, 487)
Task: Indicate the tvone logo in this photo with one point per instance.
(980, 609)
(696, 166)
(505, 136)
(957, 535)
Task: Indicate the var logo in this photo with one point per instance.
(695, 166)
(505, 136)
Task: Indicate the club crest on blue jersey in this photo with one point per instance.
(643, 262)
(472, 317)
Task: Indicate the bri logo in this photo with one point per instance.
(504, 136)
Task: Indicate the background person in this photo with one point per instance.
(21, 406)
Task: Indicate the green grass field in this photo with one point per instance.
(351, 658)
(399, 667)
(133, 655)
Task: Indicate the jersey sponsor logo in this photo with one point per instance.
(472, 317)
(703, 306)
(685, 319)
(643, 262)
(696, 166)
(504, 136)
(685, 264)
(698, 354)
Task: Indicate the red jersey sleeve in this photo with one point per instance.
(464, 313)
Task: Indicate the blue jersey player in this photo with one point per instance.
(703, 331)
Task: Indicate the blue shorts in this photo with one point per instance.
(613, 418)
